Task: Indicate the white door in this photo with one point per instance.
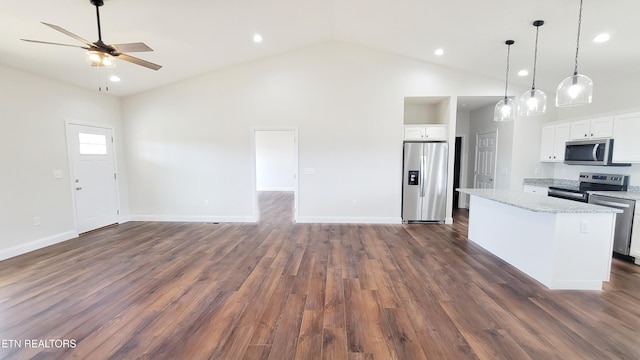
(93, 176)
(486, 146)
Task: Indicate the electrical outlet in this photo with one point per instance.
(584, 226)
(206, 203)
(36, 221)
(354, 203)
(57, 174)
(537, 171)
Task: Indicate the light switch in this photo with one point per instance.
(309, 171)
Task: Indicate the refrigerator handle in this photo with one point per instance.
(423, 166)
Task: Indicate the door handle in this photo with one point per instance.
(490, 179)
(423, 165)
(595, 152)
(79, 188)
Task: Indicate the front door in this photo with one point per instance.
(486, 146)
(93, 176)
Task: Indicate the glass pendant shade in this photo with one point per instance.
(505, 110)
(575, 90)
(533, 102)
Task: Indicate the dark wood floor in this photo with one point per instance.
(279, 290)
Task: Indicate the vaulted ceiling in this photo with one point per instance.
(198, 36)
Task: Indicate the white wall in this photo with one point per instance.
(33, 145)
(190, 141)
(275, 160)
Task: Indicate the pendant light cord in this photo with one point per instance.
(575, 69)
(535, 59)
(506, 83)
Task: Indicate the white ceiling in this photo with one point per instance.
(198, 36)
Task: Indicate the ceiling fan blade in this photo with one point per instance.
(68, 33)
(131, 47)
(140, 62)
(52, 43)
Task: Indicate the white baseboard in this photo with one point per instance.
(124, 219)
(276, 189)
(348, 220)
(196, 218)
(37, 244)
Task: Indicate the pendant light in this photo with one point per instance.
(506, 108)
(577, 89)
(533, 102)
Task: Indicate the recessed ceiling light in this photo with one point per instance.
(114, 78)
(257, 38)
(604, 37)
(523, 73)
(439, 52)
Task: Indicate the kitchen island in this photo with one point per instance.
(560, 243)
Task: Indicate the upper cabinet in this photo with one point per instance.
(592, 128)
(553, 142)
(425, 132)
(626, 147)
(426, 118)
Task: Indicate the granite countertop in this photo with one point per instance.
(537, 203)
(549, 182)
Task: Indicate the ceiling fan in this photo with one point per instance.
(101, 54)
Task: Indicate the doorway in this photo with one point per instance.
(275, 167)
(485, 169)
(93, 176)
(457, 165)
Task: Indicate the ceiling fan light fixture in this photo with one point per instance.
(100, 59)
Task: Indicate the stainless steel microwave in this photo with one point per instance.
(590, 152)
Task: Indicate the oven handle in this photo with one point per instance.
(610, 203)
(552, 192)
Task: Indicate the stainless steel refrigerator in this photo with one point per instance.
(424, 181)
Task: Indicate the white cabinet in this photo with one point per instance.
(533, 189)
(592, 128)
(626, 147)
(553, 142)
(425, 132)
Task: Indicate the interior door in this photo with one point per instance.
(486, 146)
(93, 176)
